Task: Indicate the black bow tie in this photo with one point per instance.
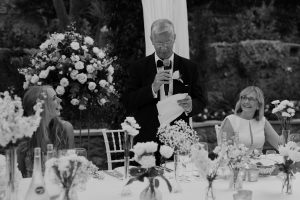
(159, 63)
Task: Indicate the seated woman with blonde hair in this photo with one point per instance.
(52, 129)
(248, 123)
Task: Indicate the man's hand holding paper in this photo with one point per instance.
(172, 107)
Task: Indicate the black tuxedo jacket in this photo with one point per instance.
(139, 100)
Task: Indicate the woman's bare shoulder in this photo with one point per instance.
(67, 125)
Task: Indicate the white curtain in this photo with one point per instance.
(174, 10)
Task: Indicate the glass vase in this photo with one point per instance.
(69, 194)
(236, 179)
(176, 188)
(287, 187)
(151, 192)
(127, 147)
(11, 169)
(210, 193)
(285, 135)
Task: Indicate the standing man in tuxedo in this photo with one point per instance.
(150, 81)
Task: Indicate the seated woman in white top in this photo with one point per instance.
(248, 123)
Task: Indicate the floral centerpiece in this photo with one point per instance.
(290, 164)
(236, 156)
(73, 66)
(71, 172)
(207, 168)
(284, 111)
(131, 128)
(179, 136)
(144, 155)
(14, 127)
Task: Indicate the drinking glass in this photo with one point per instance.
(270, 152)
(81, 152)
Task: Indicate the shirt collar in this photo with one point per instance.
(171, 58)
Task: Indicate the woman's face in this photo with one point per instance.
(249, 102)
(54, 101)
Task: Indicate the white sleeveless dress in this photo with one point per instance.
(250, 132)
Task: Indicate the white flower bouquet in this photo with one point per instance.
(73, 66)
(179, 136)
(284, 111)
(14, 126)
(290, 164)
(70, 172)
(144, 155)
(130, 126)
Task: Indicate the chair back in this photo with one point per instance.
(114, 145)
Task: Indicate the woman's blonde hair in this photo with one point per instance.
(50, 129)
(258, 115)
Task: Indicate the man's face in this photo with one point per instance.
(163, 44)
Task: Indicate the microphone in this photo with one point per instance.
(167, 66)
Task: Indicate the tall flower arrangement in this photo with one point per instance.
(13, 125)
(284, 111)
(73, 66)
(179, 136)
(290, 164)
(13, 128)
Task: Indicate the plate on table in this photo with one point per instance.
(266, 163)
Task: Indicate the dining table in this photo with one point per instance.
(110, 188)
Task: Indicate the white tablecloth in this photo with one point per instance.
(266, 188)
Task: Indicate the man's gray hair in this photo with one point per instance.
(162, 25)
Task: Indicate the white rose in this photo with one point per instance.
(96, 50)
(79, 65)
(151, 147)
(147, 161)
(75, 58)
(102, 101)
(73, 74)
(111, 88)
(75, 45)
(74, 102)
(28, 77)
(166, 151)
(64, 82)
(60, 90)
(34, 79)
(129, 129)
(110, 79)
(285, 114)
(82, 78)
(101, 54)
(82, 107)
(139, 149)
(92, 86)
(290, 110)
(90, 69)
(103, 83)
(110, 70)
(285, 103)
(88, 40)
(43, 74)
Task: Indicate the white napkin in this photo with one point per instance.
(168, 108)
